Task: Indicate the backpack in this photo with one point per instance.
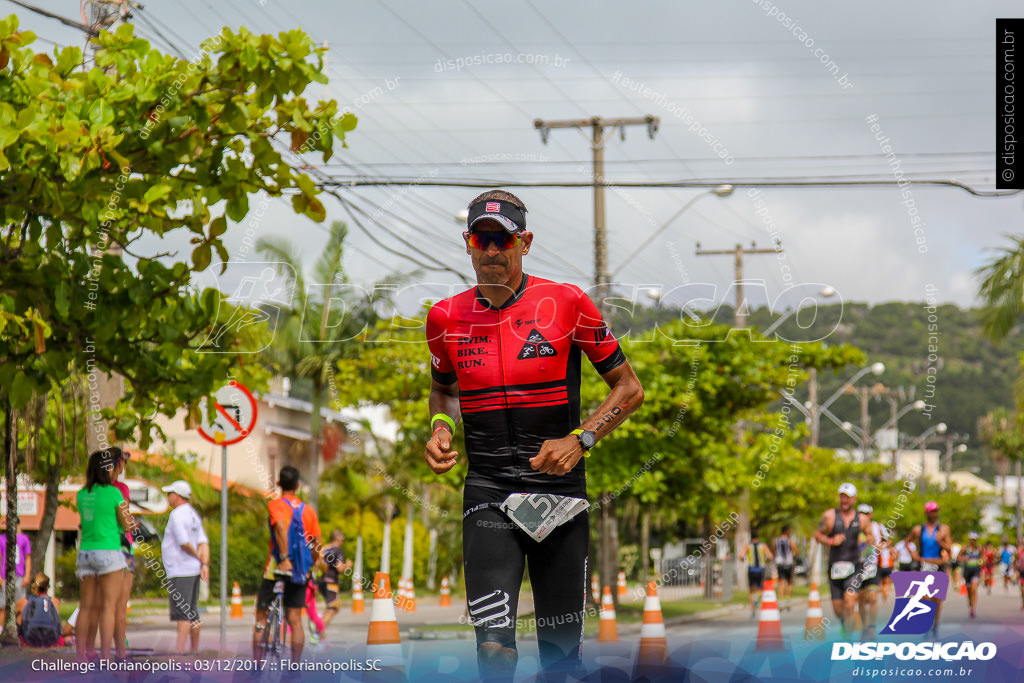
(298, 549)
(40, 622)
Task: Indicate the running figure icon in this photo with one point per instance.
(915, 607)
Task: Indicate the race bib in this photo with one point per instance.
(870, 571)
(539, 513)
(841, 570)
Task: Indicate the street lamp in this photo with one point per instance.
(922, 441)
(720, 191)
(816, 409)
(893, 423)
(950, 450)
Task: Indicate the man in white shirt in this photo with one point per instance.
(186, 555)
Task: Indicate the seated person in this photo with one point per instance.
(38, 616)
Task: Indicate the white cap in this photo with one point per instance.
(180, 487)
(864, 507)
(848, 488)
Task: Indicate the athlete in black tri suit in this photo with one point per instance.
(971, 559)
(840, 529)
(506, 360)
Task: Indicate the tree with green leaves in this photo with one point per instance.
(679, 449)
(325, 326)
(93, 162)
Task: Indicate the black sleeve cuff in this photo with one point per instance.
(445, 378)
(614, 360)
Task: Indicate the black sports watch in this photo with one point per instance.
(586, 438)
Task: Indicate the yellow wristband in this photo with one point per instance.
(444, 418)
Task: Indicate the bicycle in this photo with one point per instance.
(272, 641)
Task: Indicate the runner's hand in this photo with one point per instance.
(558, 456)
(838, 539)
(438, 454)
(285, 566)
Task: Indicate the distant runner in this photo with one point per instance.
(785, 558)
(758, 556)
(970, 559)
(839, 529)
(934, 542)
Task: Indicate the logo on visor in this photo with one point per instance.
(912, 615)
(493, 207)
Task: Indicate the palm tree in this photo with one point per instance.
(1002, 289)
(306, 345)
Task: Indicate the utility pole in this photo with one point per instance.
(739, 323)
(601, 129)
(740, 316)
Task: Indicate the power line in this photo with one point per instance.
(64, 20)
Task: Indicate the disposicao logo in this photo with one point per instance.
(913, 614)
(917, 594)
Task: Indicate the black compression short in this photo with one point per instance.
(495, 553)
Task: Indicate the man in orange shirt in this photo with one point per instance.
(281, 511)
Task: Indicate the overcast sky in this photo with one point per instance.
(433, 104)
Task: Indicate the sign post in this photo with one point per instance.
(233, 420)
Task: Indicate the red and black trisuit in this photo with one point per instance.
(518, 374)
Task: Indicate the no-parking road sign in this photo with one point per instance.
(235, 415)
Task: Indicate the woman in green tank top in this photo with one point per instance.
(104, 514)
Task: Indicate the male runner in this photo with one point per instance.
(933, 543)
(970, 559)
(840, 529)
(506, 361)
(758, 556)
(869, 540)
(785, 558)
(988, 565)
(1006, 563)
(886, 560)
(905, 552)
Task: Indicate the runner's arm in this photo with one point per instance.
(281, 534)
(444, 398)
(824, 525)
(912, 544)
(559, 456)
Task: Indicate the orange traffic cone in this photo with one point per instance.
(410, 595)
(813, 630)
(769, 626)
(236, 602)
(607, 632)
(595, 590)
(446, 593)
(382, 639)
(622, 584)
(357, 596)
(650, 660)
(963, 588)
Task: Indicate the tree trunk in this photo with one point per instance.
(708, 558)
(645, 545)
(9, 635)
(51, 497)
(609, 553)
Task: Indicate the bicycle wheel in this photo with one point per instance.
(270, 671)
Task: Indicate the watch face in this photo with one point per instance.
(587, 440)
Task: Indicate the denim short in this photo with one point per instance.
(99, 562)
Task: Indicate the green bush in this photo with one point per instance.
(67, 586)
